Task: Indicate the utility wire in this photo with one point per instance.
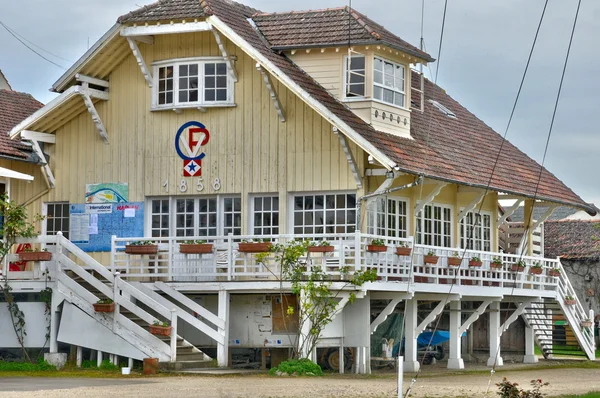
(35, 45)
(30, 48)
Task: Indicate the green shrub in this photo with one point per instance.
(300, 367)
(108, 365)
(41, 365)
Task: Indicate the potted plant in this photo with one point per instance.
(159, 328)
(377, 245)
(141, 247)
(104, 305)
(586, 323)
(403, 249)
(195, 247)
(496, 263)
(570, 300)
(455, 260)
(519, 266)
(535, 269)
(255, 245)
(430, 257)
(475, 262)
(554, 272)
(30, 255)
(322, 247)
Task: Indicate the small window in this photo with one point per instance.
(328, 213)
(354, 67)
(476, 231)
(434, 226)
(192, 83)
(388, 82)
(442, 108)
(388, 217)
(265, 215)
(57, 218)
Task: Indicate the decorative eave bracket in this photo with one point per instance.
(47, 172)
(431, 316)
(474, 316)
(140, 60)
(87, 94)
(383, 315)
(349, 157)
(544, 216)
(509, 212)
(513, 317)
(471, 206)
(230, 65)
(436, 191)
(272, 92)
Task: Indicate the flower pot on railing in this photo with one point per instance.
(376, 248)
(586, 324)
(517, 268)
(403, 251)
(496, 265)
(158, 330)
(35, 256)
(141, 249)
(254, 247)
(320, 249)
(104, 307)
(475, 263)
(570, 301)
(535, 270)
(554, 272)
(454, 261)
(196, 248)
(430, 259)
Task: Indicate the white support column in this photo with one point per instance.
(494, 329)
(140, 60)
(79, 360)
(54, 323)
(223, 313)
(411, 364)
(455, 360)
(530, 356)
(99, 358)
(130, 363)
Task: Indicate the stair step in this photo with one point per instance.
(180, 365)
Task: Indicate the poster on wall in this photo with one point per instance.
(92, 225)
(109, 192)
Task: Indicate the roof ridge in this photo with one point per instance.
(139, 10)
(573, 220)
(357, 16)
(264, 14)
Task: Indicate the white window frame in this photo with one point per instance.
(201, 61)
(173, 213)
(373, 214)
(252, 212)
(44, 229)
(384, 87)
(420, 230)
(345, 80)
(291, 208)
(464, 240)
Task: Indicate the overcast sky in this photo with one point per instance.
(485, 48)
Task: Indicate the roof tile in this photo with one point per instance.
(572, 239)
(14, 107)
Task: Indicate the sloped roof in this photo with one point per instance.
(558, 214)
(3, 78)
(14, 107)
(164, 10)
(574, 240)
(332, 26)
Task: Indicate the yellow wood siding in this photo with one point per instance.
(325, 67)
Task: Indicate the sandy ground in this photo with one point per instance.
(436, 383)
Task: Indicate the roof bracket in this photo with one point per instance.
(436, 191)
(140, 60)
(230, 66)
(471, 205)
(95, 116)
(513, 317)
(46, 171)
(544, 216)
(509, 212)
(272, 92)
(350, 157)
(431, 316)
(38, 136)
(474, 316)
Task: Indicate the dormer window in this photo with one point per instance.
(355, 76)
(388, 82)
(190, 83)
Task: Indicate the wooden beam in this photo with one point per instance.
(38, 136)
(509, 212)
(91, 80)
(144, 39)
(471, 205)
(140, 60)
(230, 66)
(165, 29)
(430, 197)
(350, 158)
(95, 116)
(272, 93)
(47, 173)
(376, 172)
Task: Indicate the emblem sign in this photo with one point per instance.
(189, 140)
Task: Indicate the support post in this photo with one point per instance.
(79, 360)
(494, 328)
(400, 375)
(130, 363)
(410, 346)
(530, 356)
(223, 313)
(173, 335)
(455, 360)
(54, 323)
(99, 358)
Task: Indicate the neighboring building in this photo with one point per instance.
(212, 120)
(3, 82)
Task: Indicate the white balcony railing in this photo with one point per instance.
(350, 253)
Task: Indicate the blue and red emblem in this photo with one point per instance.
(189, 140)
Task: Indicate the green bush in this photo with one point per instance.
(41, 365)
(108, 365)
(300, 367)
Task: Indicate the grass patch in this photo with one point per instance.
(591, 394)
(40, 366)
(299, 367)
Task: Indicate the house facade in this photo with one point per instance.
(214, 121)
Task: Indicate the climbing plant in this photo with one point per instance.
(317, 298)
(15, 225)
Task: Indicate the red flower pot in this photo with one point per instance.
(160, 330)
(320, 249)
(535, 271)
(454, 261)
(35, 256)
(495, 266)
(430, 259)
(376, 248)
(403, 251)
(255, 247)
(104, 307)
(141, 249)
(196, 248)
(473, 263)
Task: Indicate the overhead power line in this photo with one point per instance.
(22, 41)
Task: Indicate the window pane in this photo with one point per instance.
(209, 69)
(357, 62)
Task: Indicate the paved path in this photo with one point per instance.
(29, 384)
